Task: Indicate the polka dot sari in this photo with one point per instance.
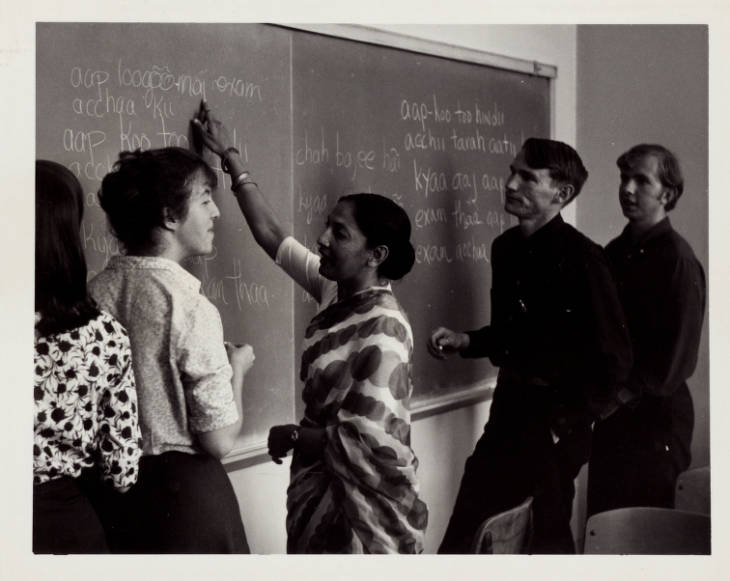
(361, 496)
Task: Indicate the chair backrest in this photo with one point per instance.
(508, 532)
(644, 530)
(692, 492)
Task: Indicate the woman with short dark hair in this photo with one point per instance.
(159, 204)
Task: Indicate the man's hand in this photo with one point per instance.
(444, 342)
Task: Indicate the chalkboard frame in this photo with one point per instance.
(257, 453)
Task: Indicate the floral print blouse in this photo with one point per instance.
(86, 404)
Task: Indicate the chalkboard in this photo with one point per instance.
(103, 88)
(315, 117)
(437, 136)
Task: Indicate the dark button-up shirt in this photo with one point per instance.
(661, 285)
(556, 315)
(662, 288)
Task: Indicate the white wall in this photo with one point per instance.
(441, 442)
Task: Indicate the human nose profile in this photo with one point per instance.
(627, 188)
(626, 194)
(324, 239)
(511, 183)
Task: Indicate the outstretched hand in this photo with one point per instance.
(444, 342)
(210, 130)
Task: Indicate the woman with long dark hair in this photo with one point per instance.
(85, 403)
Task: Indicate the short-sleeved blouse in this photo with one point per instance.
(180, 362)
(85, 410)
(302, 266)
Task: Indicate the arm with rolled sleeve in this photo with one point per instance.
(214, 404)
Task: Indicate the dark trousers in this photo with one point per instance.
(182, 503)
(638, 454)
(633, 479)
(64, 520)
(516, 458)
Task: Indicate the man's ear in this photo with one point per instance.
(378, 255)
(564, 194)
(667, 195)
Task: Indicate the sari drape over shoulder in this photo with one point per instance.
(362, 495)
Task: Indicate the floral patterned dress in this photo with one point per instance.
(85, 409)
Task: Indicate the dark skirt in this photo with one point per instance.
(182, 503)
(64, 520)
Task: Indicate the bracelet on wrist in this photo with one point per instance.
(224, 158)
(241, 179)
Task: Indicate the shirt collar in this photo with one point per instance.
(546, 231)
(185, 278)
(658, 229)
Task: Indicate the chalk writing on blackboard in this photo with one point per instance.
(314, 118)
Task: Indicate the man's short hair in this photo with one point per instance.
(563, 162)
(668, 170)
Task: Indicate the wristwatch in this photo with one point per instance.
(294, 435)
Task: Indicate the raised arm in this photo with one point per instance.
(263, 222)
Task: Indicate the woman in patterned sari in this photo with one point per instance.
(353, 482)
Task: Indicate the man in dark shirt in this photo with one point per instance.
(639, 450)
(557, 334)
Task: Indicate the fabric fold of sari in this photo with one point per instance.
(362, 495)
